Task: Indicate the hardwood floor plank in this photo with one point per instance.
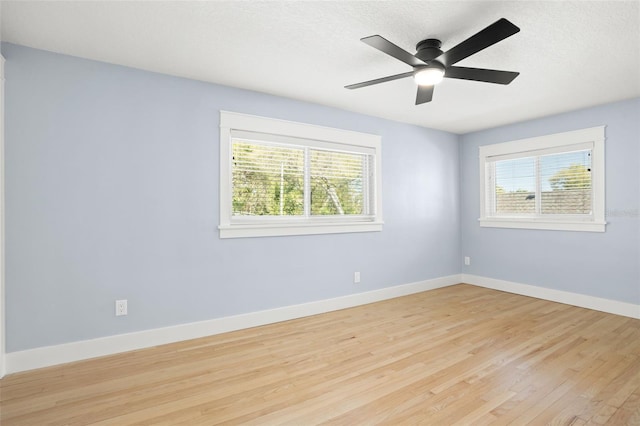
(629, 412)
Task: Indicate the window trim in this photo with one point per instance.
(594, 136)
(283, 129)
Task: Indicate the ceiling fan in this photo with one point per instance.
(430, 64)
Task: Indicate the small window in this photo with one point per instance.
(549, 182)
(284, 178)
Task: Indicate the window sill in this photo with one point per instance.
(556, 225)
(273, 230)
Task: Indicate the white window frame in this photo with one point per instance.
(312, 136)
(592, 138)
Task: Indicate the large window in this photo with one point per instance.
(549, 182)
(285, 178)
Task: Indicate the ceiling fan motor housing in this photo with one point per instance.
(428, 49)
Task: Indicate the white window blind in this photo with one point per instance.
(299, 181)
(542, 185)
(340, 183)
(565, 183)
(512, 185)
(267, 180)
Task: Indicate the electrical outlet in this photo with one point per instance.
(121, 307)
(356, 277)
(467, 260)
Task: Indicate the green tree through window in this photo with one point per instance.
(576, 176)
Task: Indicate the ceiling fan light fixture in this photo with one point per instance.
(430, 75)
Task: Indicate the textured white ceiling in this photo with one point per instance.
(571, 54)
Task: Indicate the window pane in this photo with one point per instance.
(267, 180)
(515, 186)
(337, 183)
(566, 183)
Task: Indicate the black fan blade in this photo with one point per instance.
(385, 46)
(379, 80)
(425, 94)
(494, 33)
(481, 74)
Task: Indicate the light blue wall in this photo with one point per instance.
(112, 193)
(605, 264)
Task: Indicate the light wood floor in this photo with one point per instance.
(457, 355)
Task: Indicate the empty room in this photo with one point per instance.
(320, 212)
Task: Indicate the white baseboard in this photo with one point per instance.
(575, 299)
(59, 354)
(75, 351)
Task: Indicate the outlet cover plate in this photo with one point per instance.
(121, 307)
